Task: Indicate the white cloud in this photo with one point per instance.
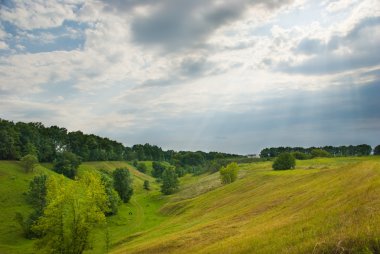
(339, 5)
(3, 45)
(39, 14)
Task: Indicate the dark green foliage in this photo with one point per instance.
(284, 161)
(135, 163)
(36, 197)
(113, 199)
(28, 162)
(229, 173)
(123, 183)
(170, 181)
(301, 156)
(142, 167)
(180, 171)
(319, 153)
(17, 140)
(67, 164)
(146, 185)
(335, 151)
(376, 151)
(158, 169)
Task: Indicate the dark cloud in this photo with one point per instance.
(177, 24)
(362, 45)
(309, 46)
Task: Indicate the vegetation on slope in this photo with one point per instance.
(325, 205)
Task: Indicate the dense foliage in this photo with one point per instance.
(36, 197)
(20, 139)
(113, 199)
(123, 183)
(73, 209)
(170, 181)
(228, 174)
(142, 167)
(67, 164)
(46, 143)
(335, 151)
(284, 161)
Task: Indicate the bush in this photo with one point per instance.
(28, 162)
(229, 173)
(319, 153)
(170, 182)
(142, 167)
(284, 161)
(146, 185)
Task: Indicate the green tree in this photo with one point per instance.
(28, 162)
(158, 169)
(67, 164)
(319, 153)
(36, 197)
(142, 167)
(229, 173)
(170, 181)
(284, 161)
(74, 209)
(113, 199)
(146, 185)
(123, 183)
(376, 151)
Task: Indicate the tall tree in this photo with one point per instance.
(170, 183)
(123, 183)
(67, 164)
(73, 210)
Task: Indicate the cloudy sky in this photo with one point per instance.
(221, 75)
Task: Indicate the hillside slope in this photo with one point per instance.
(139, 214)
(324, 206)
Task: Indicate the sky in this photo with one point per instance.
(216, 75)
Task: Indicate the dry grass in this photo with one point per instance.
(324, 206)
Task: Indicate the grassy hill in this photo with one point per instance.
(324, 206)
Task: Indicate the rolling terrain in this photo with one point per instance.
(329, 205)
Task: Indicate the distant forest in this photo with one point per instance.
(335, 151)
(46, 143)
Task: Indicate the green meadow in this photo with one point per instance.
(329, 205)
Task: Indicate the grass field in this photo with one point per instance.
(323, 206)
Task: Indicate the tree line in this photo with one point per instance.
(334, 151)
(47, 143)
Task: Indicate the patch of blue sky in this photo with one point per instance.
(69, 36)
(310, 13)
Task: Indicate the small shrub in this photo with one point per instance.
(229, 173)
(284, 161)
(319, 153)
(28, 162)
(146, 185)
(142, 167)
